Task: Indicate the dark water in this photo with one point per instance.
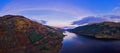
(73, 43)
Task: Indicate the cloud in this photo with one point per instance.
(17, 6)
(116, 10)
(97, 19)
(112, 18)
(43, 22)
(89, 19)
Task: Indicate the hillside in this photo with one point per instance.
(21, 35)
(107, 30)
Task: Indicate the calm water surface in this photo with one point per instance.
(73, 43)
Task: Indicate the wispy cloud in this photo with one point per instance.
(97, 19)
(18, 6)
(116, 10)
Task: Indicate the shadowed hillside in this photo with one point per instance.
(107, 30)
(21, 35)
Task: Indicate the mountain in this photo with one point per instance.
(21, 35)
(105, 30)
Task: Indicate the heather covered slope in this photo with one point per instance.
(21, 35)
(107, 30)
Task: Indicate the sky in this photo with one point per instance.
(59, 12)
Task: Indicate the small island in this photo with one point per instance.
(103, 30)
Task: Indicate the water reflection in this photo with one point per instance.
(73, 43)
(69, 35)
